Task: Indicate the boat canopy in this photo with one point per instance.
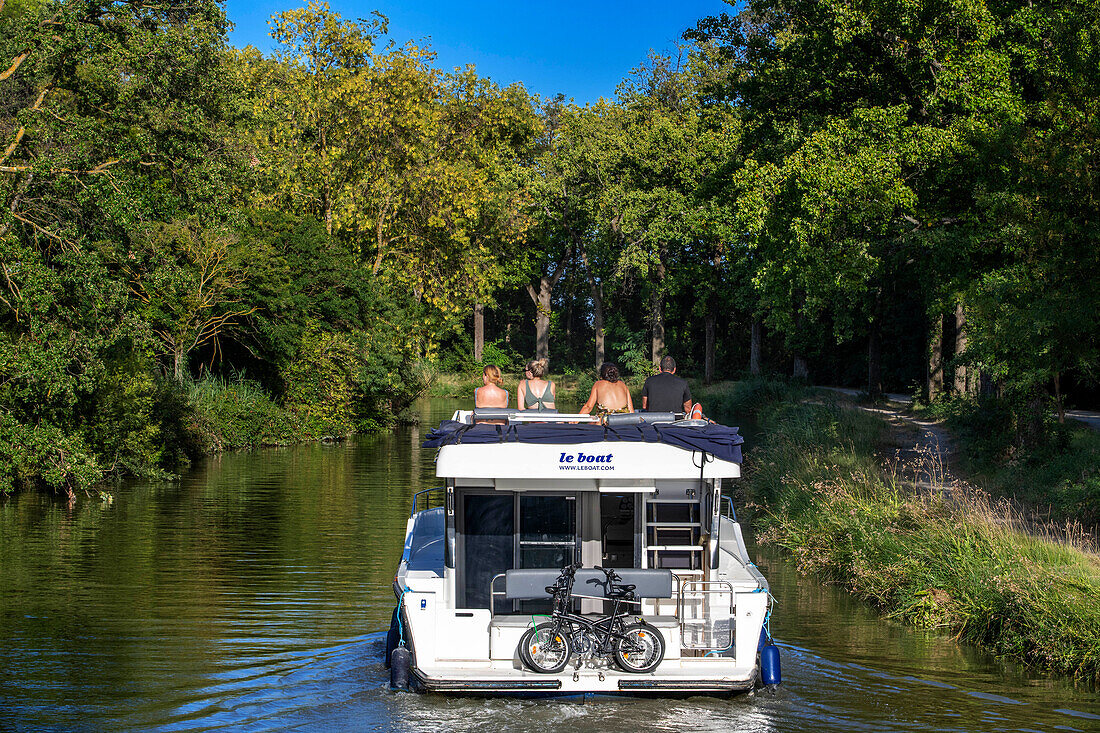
(719, 441)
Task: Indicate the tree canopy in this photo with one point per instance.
(903, 195)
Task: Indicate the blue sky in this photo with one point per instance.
(582, 49)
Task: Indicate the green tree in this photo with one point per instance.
(111, 119)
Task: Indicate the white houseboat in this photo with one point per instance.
(529, 490)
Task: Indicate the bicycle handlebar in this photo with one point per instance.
(609, 572)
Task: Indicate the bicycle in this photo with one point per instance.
(547, 647)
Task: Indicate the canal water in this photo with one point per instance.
(254, 594)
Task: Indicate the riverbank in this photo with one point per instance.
(939, 556)
(159, 427)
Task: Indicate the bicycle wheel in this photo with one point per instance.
(545, 648)
(640, 649)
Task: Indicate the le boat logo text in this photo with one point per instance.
(585, 462)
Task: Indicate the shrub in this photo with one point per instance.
(321, 384)
(44, 455)
(236, 413)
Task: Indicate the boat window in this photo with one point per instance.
(617, 530)
(488, 537)
(547, 530)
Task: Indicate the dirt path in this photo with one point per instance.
(926, 453)
(919, 441)
(927, 460)
(1092, 419)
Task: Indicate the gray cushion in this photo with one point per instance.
(531, 584)
(638, 418)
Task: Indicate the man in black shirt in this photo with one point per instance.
(665, 392)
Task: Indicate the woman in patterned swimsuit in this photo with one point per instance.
(535, 392)
(609, 395)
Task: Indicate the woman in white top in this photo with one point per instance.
(536, 392)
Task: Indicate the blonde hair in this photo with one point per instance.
(492, 371)
(537, 367)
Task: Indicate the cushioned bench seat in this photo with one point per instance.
(522, 621)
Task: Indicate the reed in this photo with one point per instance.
(923, 548)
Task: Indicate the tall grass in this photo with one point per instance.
(1060, 478)
(936, 554)
(238, 413)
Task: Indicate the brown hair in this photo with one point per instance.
(492, 371)
(537, 367)
(609, 372)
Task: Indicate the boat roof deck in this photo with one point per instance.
(553, 429)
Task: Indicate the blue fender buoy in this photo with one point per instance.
(393, 636)
(400, 663)
(770, 673)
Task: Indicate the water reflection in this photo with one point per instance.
(252, 594)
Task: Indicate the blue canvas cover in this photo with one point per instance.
(720, 441)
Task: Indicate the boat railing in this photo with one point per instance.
(493, 592)
(727, 508)
(427, 494)
(515, 416)
(705, 609)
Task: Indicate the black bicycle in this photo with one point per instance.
(548, 647)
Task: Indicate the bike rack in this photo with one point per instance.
(703, 595)
(494, 592)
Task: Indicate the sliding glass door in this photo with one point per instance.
(504, 530)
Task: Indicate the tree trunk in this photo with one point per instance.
(596, 290)
(541, 299)
(801, 370)
(658, 316)
(708, 357)
(874, 361)
(755, 346)
(479, 331)
(657, 349)
(961, 386)
(542, 317)
(935, 359)
(1058, 398)
(177, 365)
(597, 322)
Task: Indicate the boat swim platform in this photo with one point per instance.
(696, 676)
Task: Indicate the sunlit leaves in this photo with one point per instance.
(410, 167)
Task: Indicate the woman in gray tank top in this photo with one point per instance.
(536, 392)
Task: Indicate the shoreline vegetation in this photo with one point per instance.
(937, 554)
(205, 247)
